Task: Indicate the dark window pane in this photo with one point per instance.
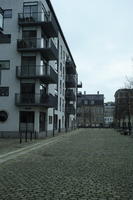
(3, 116)
(4, 91)
(26, 117)
(4, 64)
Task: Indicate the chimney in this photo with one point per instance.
(98, 92)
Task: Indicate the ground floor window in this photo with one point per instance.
(50, 120)
(26, 121)
(42, 121)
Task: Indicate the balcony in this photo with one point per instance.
(79, 85)
(45, 73)
(36, 100)
(70, 67)
(70, 109)
(45, 20)
(70, 96)
(71, 81)
(45, 47)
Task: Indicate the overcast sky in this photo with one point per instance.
(100, 36)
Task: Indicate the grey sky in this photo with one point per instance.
(100, 36)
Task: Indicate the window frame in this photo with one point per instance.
(4, 94)
(2, 68)
(50, 119)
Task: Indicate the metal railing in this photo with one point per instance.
(43, 18)
(70, 67)
(71, 81)
(40, 43)
(46, 100)
(70, 109)
(70, 96)
(39, 71)
(36, 17)
(79, 85)
(46, 47)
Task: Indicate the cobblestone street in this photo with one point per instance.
(87, 164)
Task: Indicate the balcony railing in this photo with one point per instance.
(71, 81)
(70, 67)
(46, 47)
(45, 73)
(70, 109)
(79, 85)
(45, 19)
(70, 96)
(41, 100)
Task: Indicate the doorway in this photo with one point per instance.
(26, 121)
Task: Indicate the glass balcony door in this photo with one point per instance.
(28, 64)
(26, 122)
(29, 38)
(30, 11)
(27, 93)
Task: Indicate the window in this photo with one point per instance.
(64, 56)
(60, 104)
(61, 51)
(63, 106)
(3, 116)
(30, 9)
(63, 90)
(85, 102)
(4, 64)
(92, 102)
(50, 119)
(1, 19)
(4, 91)
(63, 72)
(60, 86)
(26, 117)
(61, 69)
(8, 13)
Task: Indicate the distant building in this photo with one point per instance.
(109, 109)
(90, 110)
(124, 108)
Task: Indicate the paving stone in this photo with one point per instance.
(88, 164)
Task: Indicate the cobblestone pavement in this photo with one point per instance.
(89, 164)
(8, 144)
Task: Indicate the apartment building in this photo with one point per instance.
(90, 110)
(37, 70)
(124, 108)
(109, 109)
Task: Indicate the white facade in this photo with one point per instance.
(109, 113)
(29, 51)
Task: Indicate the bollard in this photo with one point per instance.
(31, 136)
(35, 135)
(20, 137)
(26, 136)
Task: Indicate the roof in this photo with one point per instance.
(61, 32)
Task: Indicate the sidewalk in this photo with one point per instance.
(11, 148)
